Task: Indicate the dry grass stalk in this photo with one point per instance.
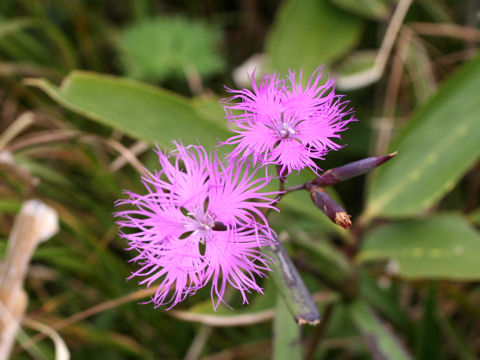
(35, 223)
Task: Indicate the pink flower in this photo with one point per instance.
(282, 122)
(199, 221)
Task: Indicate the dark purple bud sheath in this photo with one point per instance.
(291, 286)
(336, 175)
(324, 202)
(219, 226)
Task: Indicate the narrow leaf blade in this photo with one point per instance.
(381, 342)
(287, 343)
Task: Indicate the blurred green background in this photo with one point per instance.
(87, 87)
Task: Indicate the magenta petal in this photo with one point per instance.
(173, 227)
(279, 111)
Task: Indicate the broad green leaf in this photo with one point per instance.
(380, 340)
(371, 9)
(309, 33)
(142, 111)
(287, 344)
(209, 108)
(443, 247)
(438, 146)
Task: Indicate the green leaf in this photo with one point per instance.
(380, 340)
(385, 302)
(260, 309)
(443, 246)
(456, 339)
(474, 216)
(356, 63)
(371, 9)
(329, 261)
(437, 147)
(209, 108)
(357, 70)
(309, 33)
(420, 71)
(44, 172)
(142, 111)
(287, 344)
(165, 46)
(107, 339)
(428, 334)
(10, 206)
(437, 10)
(257, 303)
(63, 258)
(19, 25)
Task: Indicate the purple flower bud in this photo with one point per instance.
(324, 202)
(336, 175)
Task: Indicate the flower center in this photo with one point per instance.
(199, 220)
(205, 221)
(286, 131)
(284, 127)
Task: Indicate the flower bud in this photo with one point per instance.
(336, 175)
(324, 202)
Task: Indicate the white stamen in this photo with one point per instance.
(199, 222)
(287, 131)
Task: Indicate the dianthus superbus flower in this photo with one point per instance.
(199, 221)
(282, 122)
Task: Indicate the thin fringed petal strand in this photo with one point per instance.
(237, 263)
(285, 123)
(174, 229)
